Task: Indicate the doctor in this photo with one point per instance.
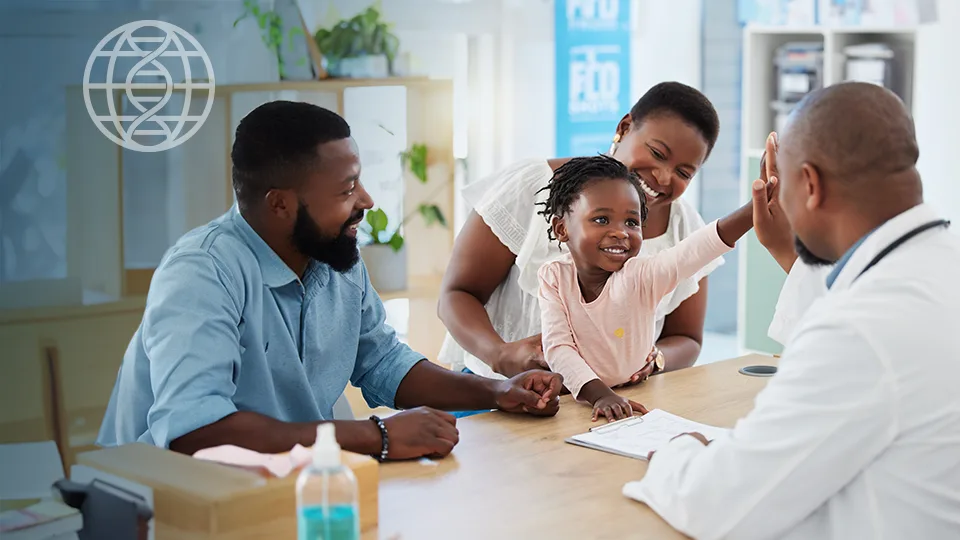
(857, 436)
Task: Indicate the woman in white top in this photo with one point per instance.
(488, 300)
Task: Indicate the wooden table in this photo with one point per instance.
(513, 476)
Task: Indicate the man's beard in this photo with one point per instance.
(807, 256)
(339, 252)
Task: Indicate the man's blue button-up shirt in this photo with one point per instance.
(229, 327)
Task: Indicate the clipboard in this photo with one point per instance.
(637, 436)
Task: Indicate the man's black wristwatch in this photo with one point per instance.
(385, 447)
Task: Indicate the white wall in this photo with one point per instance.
(507, 50)
(666, 43)
(937, 111)
(434, 16)
(665, 46)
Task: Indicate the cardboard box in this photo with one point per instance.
(199, 500)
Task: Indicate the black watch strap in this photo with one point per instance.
(385, 447)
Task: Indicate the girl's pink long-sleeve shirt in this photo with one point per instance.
(610, 338)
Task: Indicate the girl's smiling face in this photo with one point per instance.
(664, 151)
(602, 228)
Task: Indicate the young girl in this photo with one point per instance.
(597, 303)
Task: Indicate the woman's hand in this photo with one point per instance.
(773, 229)
(645, 372)
(519, 356)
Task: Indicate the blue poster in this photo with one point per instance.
(593, 73)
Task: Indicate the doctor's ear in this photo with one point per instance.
(812, 182)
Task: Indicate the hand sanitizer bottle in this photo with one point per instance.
(327, 493)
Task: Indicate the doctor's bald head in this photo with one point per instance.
(848, 156)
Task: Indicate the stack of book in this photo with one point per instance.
(46, 520)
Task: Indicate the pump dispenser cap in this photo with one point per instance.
(326, 450)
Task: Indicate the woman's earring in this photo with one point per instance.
(614, 144)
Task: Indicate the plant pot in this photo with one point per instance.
(361, 67)
(387, 268)
(294, 51)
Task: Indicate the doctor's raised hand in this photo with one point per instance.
(769, 222)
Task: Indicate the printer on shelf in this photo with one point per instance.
(799, 70)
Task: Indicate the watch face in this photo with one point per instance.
(660, 361)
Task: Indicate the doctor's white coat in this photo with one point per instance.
(858, 434)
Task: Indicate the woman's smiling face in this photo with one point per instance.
(664, 151)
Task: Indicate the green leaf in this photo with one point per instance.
(432, 214)
(292, 34)
(377, 219)
(396, 241)
(370, 16)
(416, 159)
(363, 34)
(391, 45)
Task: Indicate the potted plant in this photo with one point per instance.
(274, 31)
(384, 256)
(362, 46)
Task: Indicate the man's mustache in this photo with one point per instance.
(354, 219)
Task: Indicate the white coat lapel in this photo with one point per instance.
(882, 237)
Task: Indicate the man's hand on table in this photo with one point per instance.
(421, 432)
(427, 432)
(698, 436)
(533, 392)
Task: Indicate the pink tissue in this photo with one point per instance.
(276, 465)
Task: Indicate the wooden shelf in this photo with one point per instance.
(59, 313)
(763, 29)
(825, 30)
(326, 85)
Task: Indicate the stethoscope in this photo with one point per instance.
(769, 371)
(900, 241)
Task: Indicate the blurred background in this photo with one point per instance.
(439, 93)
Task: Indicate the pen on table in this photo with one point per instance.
(618, 422)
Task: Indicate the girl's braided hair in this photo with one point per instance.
(570, 178)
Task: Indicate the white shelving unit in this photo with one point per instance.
(760, 279)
